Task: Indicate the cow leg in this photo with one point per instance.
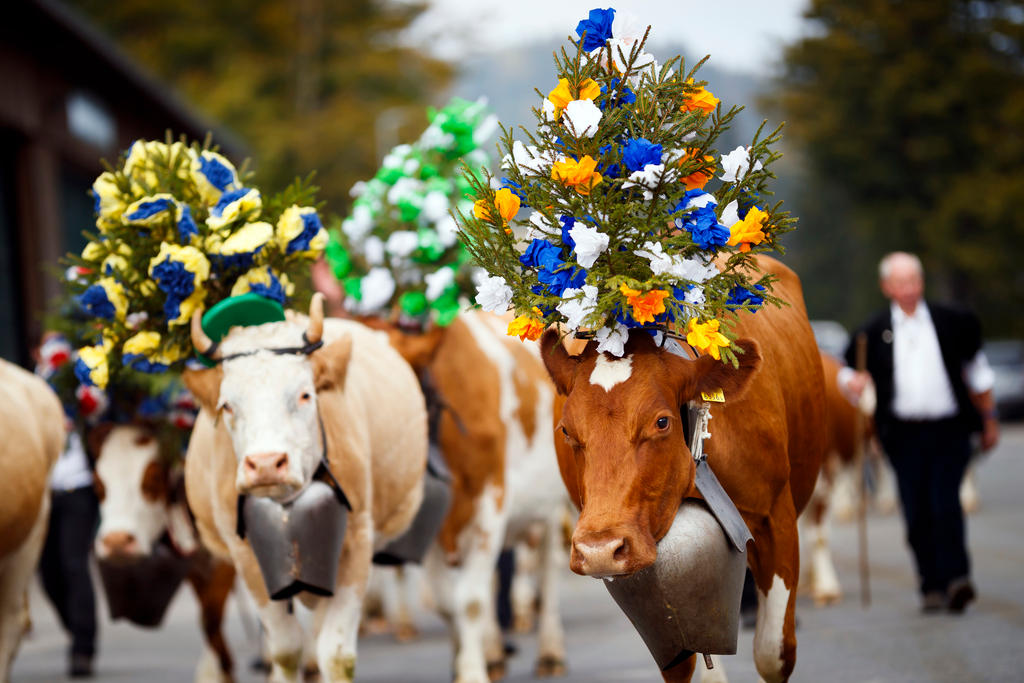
(283, 640)
(524, 589)
(479, 652)
(814, 525)
(681, 672)
(713, 675)
(339, 623)
(408, 581)
(885, 496)
(212, 581)
(551, 636)
(15, 572)
(775, 562)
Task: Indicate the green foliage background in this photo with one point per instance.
(910, 118)
(301, 81)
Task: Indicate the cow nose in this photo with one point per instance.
(120, 544)
(600, 556)
(265, 469)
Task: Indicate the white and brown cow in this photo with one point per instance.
(259, 434)
(32, 425)
(495, 434)
(627, 465)
(142, 505)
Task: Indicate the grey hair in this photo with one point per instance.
(885, 266)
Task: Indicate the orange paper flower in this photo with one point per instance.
(702, 99)
(749, 230)
(526, 326)
(506, 202)
(580, 175)
(562, 94)
(706, 338)
(699, 178)
(645, 306)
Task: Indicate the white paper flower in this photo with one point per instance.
(410, 166)
(435, 206)
(736, 163)
(575, 307)
(493, 294)
(435, 138)
(701, 200)
(396, 157)
(730, 214)
(447, 231)
(612, 339)
(694, 269)
(649, 177)
(548, 107)
(582, 117)
(590, 243)
(694, 295)
(358, 188)
(358, 224)
(539, 227)
(373, 250)
(408, 189)
(527, 158)
(401, 243)
(375, 290)
(438, 281)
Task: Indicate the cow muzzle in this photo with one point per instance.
(608, 553)
(267, 474)
(119, 546)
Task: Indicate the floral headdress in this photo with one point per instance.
(180, 230)
(398, 248)
(632, 205)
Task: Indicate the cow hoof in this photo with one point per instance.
(405, 633)
(824, 599)
(496, 670)
(550, 666)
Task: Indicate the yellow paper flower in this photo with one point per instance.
(701, 99)
(143, 343)
(749, 230)
(299, 231)
(706, 338)
(233, 205)
(93, 251)
(91, 367)
(526, 327)
(506, 202)
(109, 202)
(213, 175)
(562, 94)
(645, 305)
(249, 238)
(580, 175)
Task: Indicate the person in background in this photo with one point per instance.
(934, 390)
(64, 564)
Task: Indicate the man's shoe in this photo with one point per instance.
(960, 592)
(933, 601)
(81, 666)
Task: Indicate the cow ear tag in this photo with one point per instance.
(242, 310)
(716, 396)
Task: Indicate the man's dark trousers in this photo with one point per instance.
(930, 458)
(64, 565)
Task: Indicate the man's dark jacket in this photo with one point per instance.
(959, 333)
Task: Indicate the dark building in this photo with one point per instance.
(68, 98)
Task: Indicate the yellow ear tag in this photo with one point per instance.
(716, 396)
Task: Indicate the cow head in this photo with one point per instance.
(625, 458)
(133, 484)
(268, 402)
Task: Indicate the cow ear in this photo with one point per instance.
(155, 484)
(205, 386)
(561, 366)
(417, 349)
(714, 374)
(331, 363)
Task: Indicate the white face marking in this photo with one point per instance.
(120, 466)
(611, 371)
(768, 635)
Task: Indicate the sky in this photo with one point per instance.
(741, 35)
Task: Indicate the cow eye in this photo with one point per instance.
(227, 408)
(305, 397)
(662, 422)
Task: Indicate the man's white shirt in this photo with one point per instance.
(71, 471)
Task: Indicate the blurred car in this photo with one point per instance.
(1006, 356)
(831, 336)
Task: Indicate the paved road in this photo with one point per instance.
(890, 642)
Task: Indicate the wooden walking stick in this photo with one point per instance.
(862, 505)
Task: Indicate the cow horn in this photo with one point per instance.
(316, 319)
(200, 340)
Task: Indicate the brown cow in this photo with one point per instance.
(627, 466)
(142, 506)
(493, 431)
(32, 424)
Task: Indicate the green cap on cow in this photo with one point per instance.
(244, 310)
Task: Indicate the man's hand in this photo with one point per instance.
(990, 433)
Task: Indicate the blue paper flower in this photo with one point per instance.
(553, 273)
(95, 302)
(186, 225)
(623, 96)
(568, 222)
(597, 28)
(177, 282)
(606, 169)
(639, 152)
(739, 296)
(150, 209)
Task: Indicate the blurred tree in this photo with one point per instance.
(304, 82)
(910, 115)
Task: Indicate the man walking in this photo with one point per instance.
(934, 390)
